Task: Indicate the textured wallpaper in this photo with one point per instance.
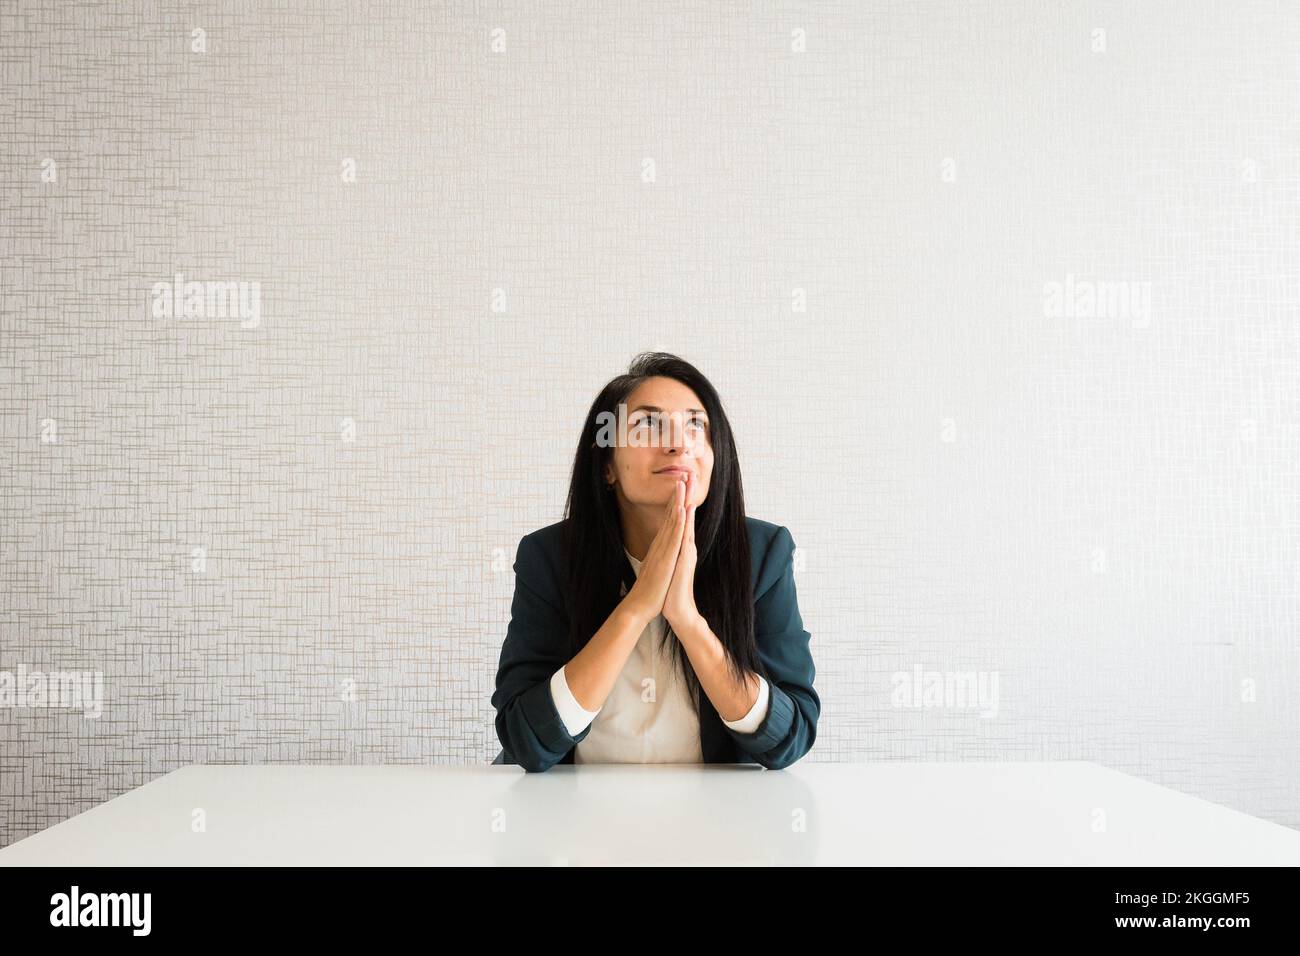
(301, 306)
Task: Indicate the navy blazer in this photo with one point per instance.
(536, 646)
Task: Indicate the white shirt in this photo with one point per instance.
(647, 717)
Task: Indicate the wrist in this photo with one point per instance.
(635, 614)
(689, 627)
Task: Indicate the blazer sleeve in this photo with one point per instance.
(790, 728)
(528, 724)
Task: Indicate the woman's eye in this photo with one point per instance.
(657, 421)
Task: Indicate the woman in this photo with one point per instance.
(656, 587)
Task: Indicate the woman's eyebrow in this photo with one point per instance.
(656, 408)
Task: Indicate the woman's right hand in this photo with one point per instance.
(647, 596)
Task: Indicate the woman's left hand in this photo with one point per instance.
(679, 604)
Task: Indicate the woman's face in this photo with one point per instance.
(667, 428)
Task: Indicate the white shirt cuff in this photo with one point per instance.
(751, 721)
(571, 712)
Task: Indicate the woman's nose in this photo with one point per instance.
(674, 434)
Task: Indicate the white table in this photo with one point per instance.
(811, 813)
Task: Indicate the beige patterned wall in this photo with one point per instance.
(1002, 298)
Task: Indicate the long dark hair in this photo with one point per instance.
(593, 532)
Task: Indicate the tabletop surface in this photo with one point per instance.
(892, 813)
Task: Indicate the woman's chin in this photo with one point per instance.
(660, 499)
